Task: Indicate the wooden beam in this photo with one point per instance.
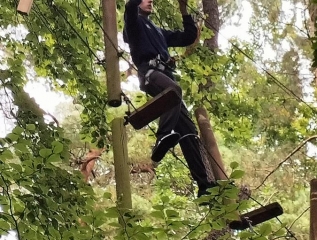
(154, 108)
(121, 166)
(24, 7)
(313, 209)
(111, 52)
(257, 216)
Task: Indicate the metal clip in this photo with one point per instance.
(147, 76)
(250, 224)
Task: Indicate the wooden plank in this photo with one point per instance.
(257, 216)
(154, 108)
(24, 7)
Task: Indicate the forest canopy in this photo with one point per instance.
(252, 69)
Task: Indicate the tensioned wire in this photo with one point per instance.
(130, 64)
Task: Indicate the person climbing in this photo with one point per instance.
(149, 45)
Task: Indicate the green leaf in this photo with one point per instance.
(18, 130)
(5, 226)
(6, 155)
(161, 235)
(107, 195)
(280, 232)
(265, 229)
(234, 165)
(157, 214)
(246, 235)
(21, 147)
(98, 222)
(141, 236)
(176, 224)
(13, 137)
(30, 127)
(112, 213)
(57, 147)
(158, 207)
(165, 199)
(54, 233)
(16, 167)
(45, 152)
(54, 158)
(171, 213)
(236, 174)
(115, 224)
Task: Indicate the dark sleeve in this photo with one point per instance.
(182, 38)
(131, 12)
(131, 20)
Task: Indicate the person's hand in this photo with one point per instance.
(183, 6)
(182, 2)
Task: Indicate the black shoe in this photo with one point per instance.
(163, 145)
(203, 191)
(213, 189)
(205, 195)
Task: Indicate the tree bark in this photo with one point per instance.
(212, 22)
(210, 143)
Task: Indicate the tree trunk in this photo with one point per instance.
(210, 8)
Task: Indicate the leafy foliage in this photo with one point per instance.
(258, 124)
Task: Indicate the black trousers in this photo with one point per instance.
(178, 119)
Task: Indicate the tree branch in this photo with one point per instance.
(291, 154)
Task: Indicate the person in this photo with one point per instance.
(149, 45)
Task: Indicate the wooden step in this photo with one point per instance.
(154, 108)
(257, 216)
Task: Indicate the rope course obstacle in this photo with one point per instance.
(148, 113)
(153, 109)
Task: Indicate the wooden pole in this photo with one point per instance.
(111, 52)
(313, 209)
(24, 7)
(210, 142)
(122, 173)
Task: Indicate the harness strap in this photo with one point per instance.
(147, 76)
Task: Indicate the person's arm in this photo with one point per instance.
(131, 26)
(188, 35)
(131, 12)
(183, 7)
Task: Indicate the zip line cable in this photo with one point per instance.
(150, 127)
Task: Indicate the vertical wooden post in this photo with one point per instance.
(24, 7)
(210, 142)
(313, 209)
(111, 52)
(122, 175)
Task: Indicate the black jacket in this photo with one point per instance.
(146, 40)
